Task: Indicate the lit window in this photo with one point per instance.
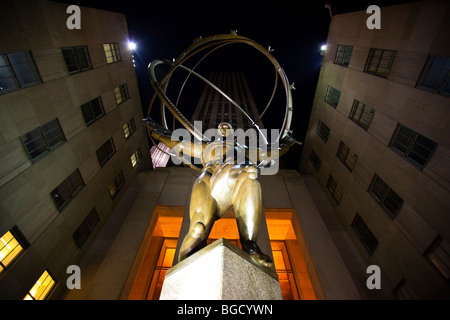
(412, 146)
(323, 131)
(10, 247)
(67, 190)
(439, 255)
(112, 52)
(436, 75)
(136, 157)
(129, 128)
(387, 198)
(332, 96)
(42, 288)
(364, 234)
(105, 152)
(17, 70)
(361, 114)
(121, 93)
(334, 189)
(347, 156)
(92, 110)
(115, 187)
(42, 140)
(380, 62)
(343, 55)
(77, 59)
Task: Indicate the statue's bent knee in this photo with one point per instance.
(197, 230)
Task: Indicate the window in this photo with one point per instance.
(361, 114)
(347, 156)
(77, 59)
(112, 52)
(315, 160)
(439, 255)
(129, 128)
(334, 189)
(42, 288)
(387, 198)
(380, 62)
(412, 145)
(118, 183)
(364, 234)
(92, 110)
(332, 96)
(105, 152)
(86, 227)
(42, 140)
(12, 244)
(136, 157)
(343, 55)
(67, 190)
(17, 70)
(121, 93)
(323, 131)
(436, 75)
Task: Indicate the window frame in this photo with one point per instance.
(137, 156)
(121, 93)
(384, 195)
(315, 160)
(103, 149)
(341, 55)
(39, 283)
(371, 64)
(343, 154)
(43, 135)
(17, 75)
(445, 81)
(116, 185)
(90, 106)
(411, 145)
(358, 105)
(114, 49)
(129, 128)
(79, 68)
(334, 189)
(323, 131)
(70, 189)
(84, 230)
(364, 234)
(22, 242)
(331, 95)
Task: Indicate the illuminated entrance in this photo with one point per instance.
(158, 251)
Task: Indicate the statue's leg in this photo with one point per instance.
(247, 204)
(202, 213)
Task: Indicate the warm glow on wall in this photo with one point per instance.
(159, 248)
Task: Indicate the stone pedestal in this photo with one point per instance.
(220, 271)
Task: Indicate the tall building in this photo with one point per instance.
(213, 108)
(378, 142)
(71, 140)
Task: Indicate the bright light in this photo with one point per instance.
(131, 45)
(323, 47)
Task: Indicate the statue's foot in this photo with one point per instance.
(256, 254)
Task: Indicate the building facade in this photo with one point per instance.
(71, 139)
(378, 142)
(213, 108)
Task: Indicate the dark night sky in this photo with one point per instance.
(295, 29)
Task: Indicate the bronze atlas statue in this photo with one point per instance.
(229, 170)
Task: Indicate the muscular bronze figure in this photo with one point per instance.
(226, 181)
(222, 185)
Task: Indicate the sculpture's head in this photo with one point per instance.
(225, 129)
